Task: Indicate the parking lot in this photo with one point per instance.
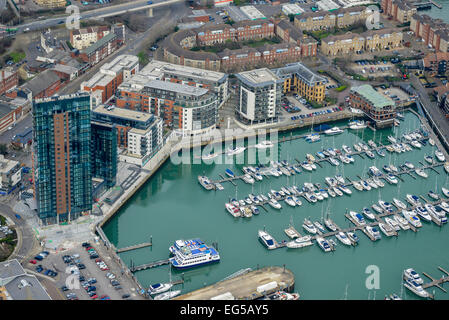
(374, 68)
(395, 94)
(81, 273)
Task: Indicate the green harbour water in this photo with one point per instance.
(172, 205)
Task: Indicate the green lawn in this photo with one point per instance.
(17, 56)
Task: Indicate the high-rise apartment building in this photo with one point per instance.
(62, 157)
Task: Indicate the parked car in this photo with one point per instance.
(33, 261)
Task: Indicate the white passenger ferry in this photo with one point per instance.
(192, 253)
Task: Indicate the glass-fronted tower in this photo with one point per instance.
(62, 157)
(104, 152)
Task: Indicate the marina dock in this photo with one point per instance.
(134, 247)
(149, 265)
(437, 282)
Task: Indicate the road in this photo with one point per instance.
(132, 47)
(27, 242)
(91, 14)
(432, 108)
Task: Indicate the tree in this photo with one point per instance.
(3, 149)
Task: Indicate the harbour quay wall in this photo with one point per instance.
(244, 287)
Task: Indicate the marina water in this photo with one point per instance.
(172, 205)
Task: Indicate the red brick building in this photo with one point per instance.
(44, 84)
(100, 49)
(9, 79)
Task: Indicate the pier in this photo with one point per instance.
(149, 265)
(134, 247)
(437, 282)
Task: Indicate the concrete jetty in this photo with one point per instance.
(245, 287)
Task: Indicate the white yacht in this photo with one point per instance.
(372, 183)
(309, 226)
(333, 131)
(377, 208)
(273, 203)
(446, 167)
(412, 218)
(402, 222)
(300, 242)
(358, 218)
(431, 142)
(445, 206)
(343, 238)
(266, 240)
(413, 200)
(433, 195)
(357, 185)
(440, 155)
(420, 172)
(409, 165)
(416, 288)
(334, 161)
(392, 223)
(399, 204)
(374, 171)
(423, 213)
(337, 191)
(416, 144)
(373, 232)
(306, 166)
(233, 151)
(379, 182)
(319, 227)
(365, 185)
(392, 139)
(393, 168)
(357, 125)
(410, 273)
(368, 213)
(345, 189)
(445, 192)
(392, 179)
(386, 229)
(264, 144)
(386, 206)
(289, 200)
(233, 210)
(297, 201)
(330, 225)
(429, 159)
(323, 244)
(167, 295)
(159, 288)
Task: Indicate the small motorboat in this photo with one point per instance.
(423, 213)
(399, 204)
(323, 244)
(392, 223)
(409, 165)
(343, 238)
(445, 192)
(429, 159)
(309, 226)
(440, 156)
(368, 213)
(433, 195)
(420, 172)
(353, 236)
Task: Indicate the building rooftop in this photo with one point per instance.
(176, 87)
(123, 113)
(99, 43)
(375, 98)
(26, 287)
(252, 13)
(41, 82)
(124, 61)
(158, 69)
(6, 165)
(258, 77)
(65, 69)
(10, 269)
(301, 71)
